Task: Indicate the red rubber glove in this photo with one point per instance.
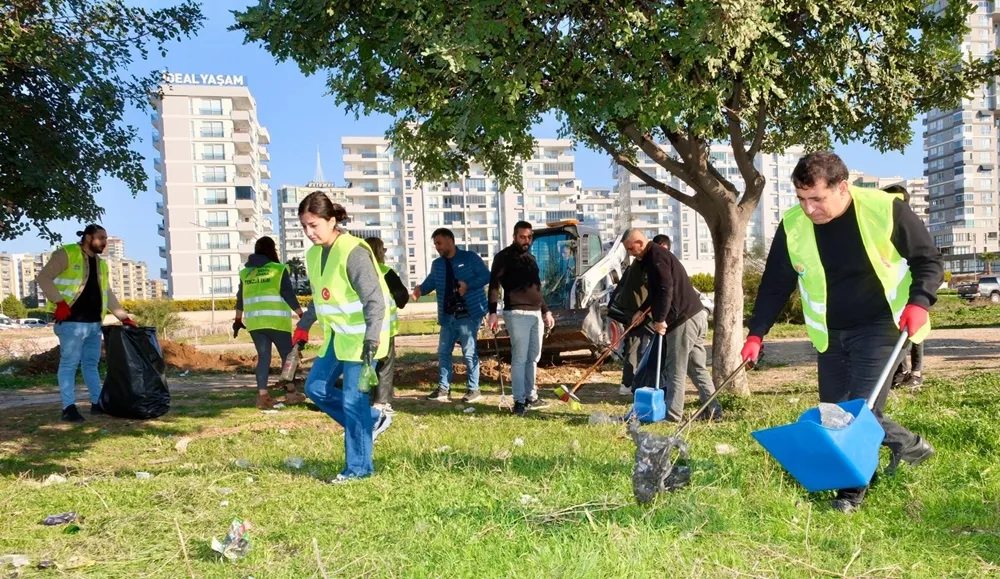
(913, 319)
(129, 322)
(62, 311)
(751, 349)
(300, 336)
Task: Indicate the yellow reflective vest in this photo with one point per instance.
(263, 306)
(72, 280)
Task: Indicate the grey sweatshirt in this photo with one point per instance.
(363, 275)
(287, 291)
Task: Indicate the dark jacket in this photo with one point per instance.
(671, 297)
(397, 290)
(855, 296)
(516, 272)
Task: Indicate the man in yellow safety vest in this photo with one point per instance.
(866, 268)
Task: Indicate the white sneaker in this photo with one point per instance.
(384, 422)
(341, 479)
(624, 390)
(385, 408)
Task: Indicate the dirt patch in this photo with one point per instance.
(177, 356)
(426, 373)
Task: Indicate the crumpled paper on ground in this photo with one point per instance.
(236, 545)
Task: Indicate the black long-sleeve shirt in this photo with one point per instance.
(397, 290)
(854, 295)
(671, 297)
(517, 272)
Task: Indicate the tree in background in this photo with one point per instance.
(30, 302)
(13, 308)
(63, 93)
(467, 81)
(296, 269)
(988, 258)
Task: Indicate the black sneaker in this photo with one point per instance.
(913, 381)
(471, 396)
(520, 409)
(440, 395)
(71, 414)
(710, 415)
(848, 500)
(97, 409)
(916, 454)
(536, 403)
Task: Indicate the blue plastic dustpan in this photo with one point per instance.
(822, 458)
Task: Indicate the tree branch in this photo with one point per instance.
(733, 109)
(648, 146)
(646, 178)
(759, 130)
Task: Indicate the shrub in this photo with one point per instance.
(792, 312)
(196, 305)
(703, 282)
(157, 313)
(13, 308)
(947, 277)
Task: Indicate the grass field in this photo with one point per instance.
(456, 495)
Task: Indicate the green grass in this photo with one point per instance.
(406, 328)
(447, 500)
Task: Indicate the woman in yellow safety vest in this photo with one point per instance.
(382, 396)
(264, 305)
(350, 301)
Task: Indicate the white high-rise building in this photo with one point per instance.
(599, 206)
(654, 212)
(212, 175)
(961, 161)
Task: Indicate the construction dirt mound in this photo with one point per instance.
(177, 356)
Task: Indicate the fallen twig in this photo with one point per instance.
(319, 560)
(187, 561)
(105, 503)
(851, 562)
(567, 513)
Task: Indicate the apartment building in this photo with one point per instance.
(961, 159)
(598, 206)
(156, 289)
(212, 175)
(128, 278)
(115, 248)
(18, 272)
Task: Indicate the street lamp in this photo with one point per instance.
(211, 267)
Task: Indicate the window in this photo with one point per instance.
(409, 235)
(411, 252)
(213, 175)
(984, 143)
(213, 151)
(214, 263)
(210, 107)
(413, 270)
(409, 218)
(212, 129)
(217, 219)
(218, 241)
(216, 197)
(409, 201)
(222, 286)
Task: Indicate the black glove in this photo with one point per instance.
(237, 326)
(368, 351)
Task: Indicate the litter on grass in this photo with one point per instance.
(60, 519)
(143, 475)
(294, 462)
(54, 479)
(656, 470)
(15, 560)
(236, 545)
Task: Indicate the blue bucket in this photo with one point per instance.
(822, 458)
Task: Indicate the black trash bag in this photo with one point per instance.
(660, 464)
(136, 384)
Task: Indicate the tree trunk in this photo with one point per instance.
(729, 238)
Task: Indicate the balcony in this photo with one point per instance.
(240, 181)
(158, 166)
(243, 162)
(217, 246)
(265, 172)
(163, 273)
(160, 231)
(246, 227)
(163, 252)
(243, 141)
(159, 207)
(268, 225)
(263, 136)
(245, 248)
(240, 117)
(265, 155)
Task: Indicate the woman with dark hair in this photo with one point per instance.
(382, 397)
(78, 288)
(266, 299)
(349, 299)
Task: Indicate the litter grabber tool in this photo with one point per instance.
(648, 404)
(658, 458)
(505, 402)
(833, 446)
(567, 394)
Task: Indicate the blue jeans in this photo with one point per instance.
(348, 407)
(79, 345)
(525, 330)
(464, 332)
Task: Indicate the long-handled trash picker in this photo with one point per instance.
(567, 394)
(504, 401)
(656, 468)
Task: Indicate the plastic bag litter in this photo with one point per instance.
(294, 462)
(54, 479)
(833, 416)
(601, 418)
(236, 545)
(242, 463)
(15, 560)
(655, 470)
(60, 519)
(143, 475)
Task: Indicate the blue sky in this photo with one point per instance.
(300, 118)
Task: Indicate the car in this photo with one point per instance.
(32, 323)
(988, 287)
(7, 323)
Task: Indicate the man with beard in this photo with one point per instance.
(524, 312)
(76, 284)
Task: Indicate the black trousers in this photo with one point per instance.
(635, 344)
(262, 340)
(851, 365)
(385, 368)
